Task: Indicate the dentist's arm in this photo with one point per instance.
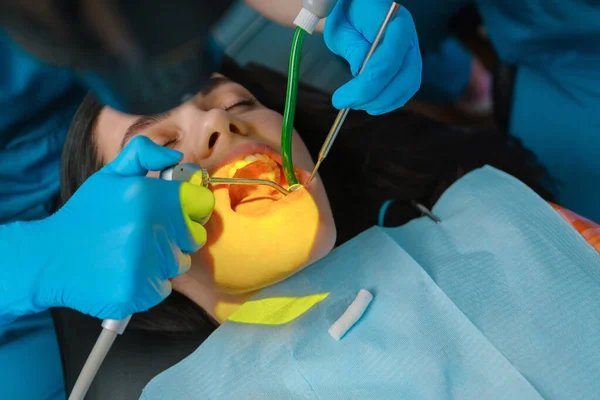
(282, 12)
(111, 250)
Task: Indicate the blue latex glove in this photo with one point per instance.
(111, 250)
(393, 74)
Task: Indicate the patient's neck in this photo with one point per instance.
(198, 289)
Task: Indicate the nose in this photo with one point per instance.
(218, 128)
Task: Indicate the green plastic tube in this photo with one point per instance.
(287, 128)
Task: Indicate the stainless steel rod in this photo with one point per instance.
(341, 117)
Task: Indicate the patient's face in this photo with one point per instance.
(256, 236)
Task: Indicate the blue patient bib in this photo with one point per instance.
(499, 301)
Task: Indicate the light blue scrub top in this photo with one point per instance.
(37, 105)
(556, 103)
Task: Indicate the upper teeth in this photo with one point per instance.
(247, 160)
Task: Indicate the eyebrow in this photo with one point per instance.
(146, 121)
(140, 124)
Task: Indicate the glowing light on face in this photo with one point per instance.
(258, 236)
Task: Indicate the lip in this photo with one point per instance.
(251, 148)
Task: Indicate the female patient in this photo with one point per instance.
(258, 238)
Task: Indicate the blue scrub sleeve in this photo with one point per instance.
(446, 72)
(37, 104)
(446, 62)
(30, 366)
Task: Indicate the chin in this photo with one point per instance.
(257, 236)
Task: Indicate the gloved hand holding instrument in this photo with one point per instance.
(196, 202)
(112, 248)
(393, 73)
(379, 40)
(153, 226)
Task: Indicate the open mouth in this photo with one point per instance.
(261, 163)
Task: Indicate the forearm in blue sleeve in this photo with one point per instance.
(431, 20)
(446, 62)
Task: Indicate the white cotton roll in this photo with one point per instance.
(351, 315)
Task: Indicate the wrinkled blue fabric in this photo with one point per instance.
(556, 100)
(30, 366)
(37, 105)
(556, 103)
(500, 300)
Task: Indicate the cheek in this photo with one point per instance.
(245, 253)
(267, 126)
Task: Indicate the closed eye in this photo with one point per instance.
(241, 103)
(171, 142)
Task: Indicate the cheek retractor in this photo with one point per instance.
(190, 172)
